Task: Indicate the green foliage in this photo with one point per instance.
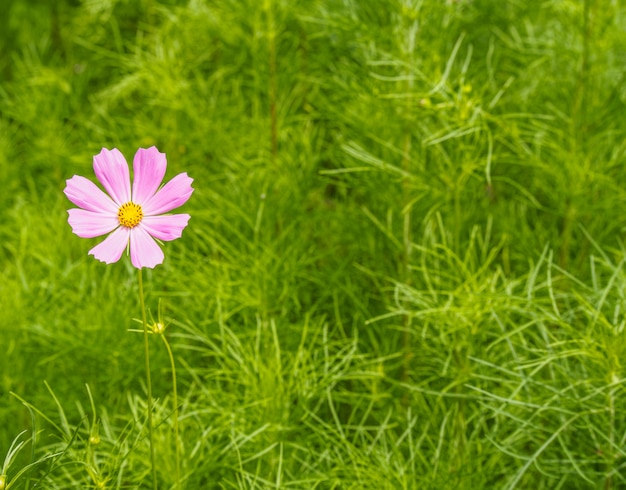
(404, 265)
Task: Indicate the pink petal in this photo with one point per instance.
(87, 195)
(88, 224)
(112, 248)
(148, 171)
(144, 251)
(167, 227)
(173, 194)
(112, 171)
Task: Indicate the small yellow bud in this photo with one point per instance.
(3, 481)
(94, 440)
(425, 102)
(158, 328)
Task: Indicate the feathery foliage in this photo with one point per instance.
(404, 267)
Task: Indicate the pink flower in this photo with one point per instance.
(134, 217)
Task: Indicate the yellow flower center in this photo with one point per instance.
(130, 214)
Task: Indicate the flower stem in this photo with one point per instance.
(148, 380)
(175, 396)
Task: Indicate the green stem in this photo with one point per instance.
(148, 381)
(407, 238)
(272, 75)
(175, 395)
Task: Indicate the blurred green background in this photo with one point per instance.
(404, 266)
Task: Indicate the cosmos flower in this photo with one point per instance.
(133, 217)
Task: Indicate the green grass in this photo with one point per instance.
(404, 267)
